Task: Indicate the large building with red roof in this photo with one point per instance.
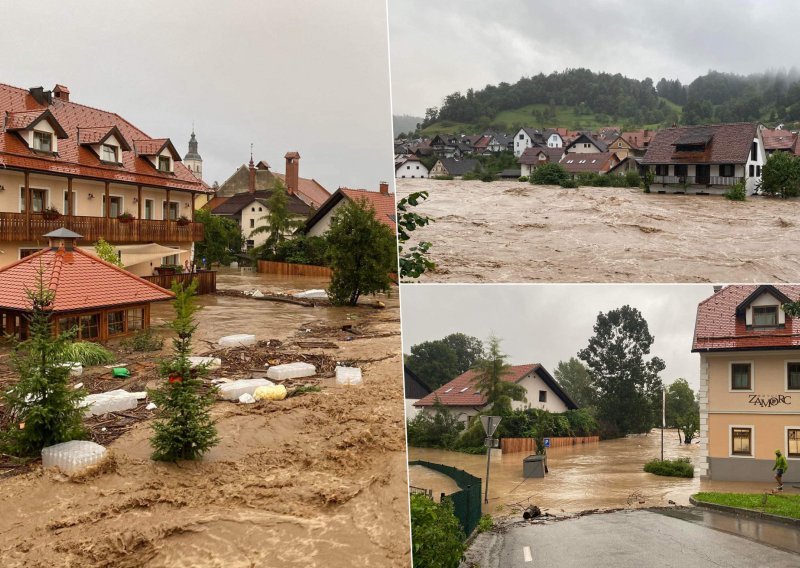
(463, 398)
(64, 164)
(749, 382)
(382, 201)
(95, 299)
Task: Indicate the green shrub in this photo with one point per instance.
(437, 430)
(444, 178)
(570, 184)
(436, 536)
(680, 467)
(300, 249)
(522, 178)
(485, 523)
(88, 354)
(143, 340)
(488, 177)
(737, 192)
(549, 174)
(633, 178)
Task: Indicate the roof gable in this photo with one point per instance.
(715, 144)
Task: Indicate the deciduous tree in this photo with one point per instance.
(574, 378)
(490, 370)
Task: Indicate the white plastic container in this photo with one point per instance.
(239, 340)
(247, 398)
(111, 401)
(315, 294)
(210, 363)
(75, 369)
(348, 376)
(73, 456)
(234, 389)
(291, 371)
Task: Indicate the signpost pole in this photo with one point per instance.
(488, 461)
(663, 418)
(490, 424)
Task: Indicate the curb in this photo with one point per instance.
(750, 513)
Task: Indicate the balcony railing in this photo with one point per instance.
(697, 180)
(15, 227)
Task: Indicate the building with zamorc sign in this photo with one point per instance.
(749, 382)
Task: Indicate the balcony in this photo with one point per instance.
(707, 181)
(14, 227)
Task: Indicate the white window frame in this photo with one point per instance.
(43, 133)
(752, 376)
(152, 209)
(74, 202)
(786, 442)
(22, 198)
(165, 210)
(752, 428)
(786, 375)
(103, 151)
(104, 204)
(169, 163)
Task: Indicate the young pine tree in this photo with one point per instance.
(184, 430)
(45, 410)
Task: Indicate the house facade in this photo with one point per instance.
(382, 201)
(455, 167)
(585, 144)
(463, 398)
(706, 159)
(414, 389)
(535, 156)
(749, 382)
(63, 164)
(526, 138)
(589, 163)
(411, 167)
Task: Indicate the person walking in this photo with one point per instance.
(780, 468)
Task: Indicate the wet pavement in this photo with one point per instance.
(622, 539)
(602, 475)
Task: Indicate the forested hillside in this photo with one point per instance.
(585, 98)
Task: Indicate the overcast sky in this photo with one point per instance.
(441, 47)
(549, 323)
(310, 76)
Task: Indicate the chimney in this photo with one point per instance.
(384, 188)
(717, 288)
(292, 172)
(251, 183)
(40, 95)
(61, 93)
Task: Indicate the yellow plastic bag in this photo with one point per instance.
(277, 392)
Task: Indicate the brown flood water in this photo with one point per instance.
(604, 475)
(509, 231)
(314, 480)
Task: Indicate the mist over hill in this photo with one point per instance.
(405, 123)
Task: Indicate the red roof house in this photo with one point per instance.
(382, 201)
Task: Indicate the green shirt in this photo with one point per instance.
(780, 463)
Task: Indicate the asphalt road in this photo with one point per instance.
(625, 539)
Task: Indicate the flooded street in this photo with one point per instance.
(508, 231)
(317, 479)
(604, 475)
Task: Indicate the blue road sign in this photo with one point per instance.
(547, 442)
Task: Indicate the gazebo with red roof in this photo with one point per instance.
(99, 299)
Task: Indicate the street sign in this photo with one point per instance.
(491, 442)
(490, 424)
(547, 442)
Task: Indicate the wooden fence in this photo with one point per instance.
(288, 269)
(515, 445)
(207, 280)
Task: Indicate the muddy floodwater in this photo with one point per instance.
(509, 231)
(604, 475)
(317, 479)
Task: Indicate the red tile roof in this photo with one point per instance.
(729, 144)
(382, 202)
(79, 279)
(309, 190)
(590, 162)
(453, 393)
(717, 327)
(638, 139)
(75, 159)
(778, 139)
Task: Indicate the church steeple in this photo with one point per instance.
(192, 160)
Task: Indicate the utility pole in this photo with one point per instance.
(663, 418)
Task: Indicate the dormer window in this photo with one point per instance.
(765, 316)
(42, 141)
(110, 153)
(164, 164)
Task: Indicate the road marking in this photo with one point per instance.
(526, 552)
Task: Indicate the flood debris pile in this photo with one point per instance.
(248, 361)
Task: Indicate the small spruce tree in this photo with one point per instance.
(45, 410)
(184, 430)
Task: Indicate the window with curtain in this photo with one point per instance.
(741, 376)
(741, 441)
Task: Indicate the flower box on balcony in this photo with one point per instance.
(125, 218)
(183, 221)
(51, 214)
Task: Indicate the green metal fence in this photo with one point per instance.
(467, 501)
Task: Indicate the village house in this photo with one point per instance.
(63, 164)
(779, 140)
(589, 163)
(414, 389)
(632, 143)
(250, 208)
(462, 398)
(585, 144)
(310, 191)
(536, 156)
(705, 159)
(410, 167)
(382, 201)
(455, 167)
(97, 299)
(445, 145)
(527, 138)
(749, 382)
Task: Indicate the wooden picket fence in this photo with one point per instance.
(516, 445)
(288, 269)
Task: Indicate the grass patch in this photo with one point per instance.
(485, 523)
(680, 467)
(88, 354)
(783, 505)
